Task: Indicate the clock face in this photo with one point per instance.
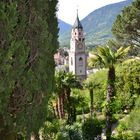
(80, 45)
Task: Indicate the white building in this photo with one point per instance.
(77, 53)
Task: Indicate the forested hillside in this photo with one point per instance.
(97, 25)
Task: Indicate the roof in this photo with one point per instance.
(77, 23)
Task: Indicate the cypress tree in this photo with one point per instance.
(28, 41)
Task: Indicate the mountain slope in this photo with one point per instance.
(63, 26)
(97, 25)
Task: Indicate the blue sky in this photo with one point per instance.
(67, 8)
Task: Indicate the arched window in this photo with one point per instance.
(80, 61)
(71, 61)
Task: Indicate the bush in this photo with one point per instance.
(49, 130)
(91, 128)
(134, 120)
(62, 136)
(70, 132)
(127, 84)
(74, 132)
(126, 135)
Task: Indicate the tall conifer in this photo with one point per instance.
(28, 41)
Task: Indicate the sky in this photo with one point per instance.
(67, 9)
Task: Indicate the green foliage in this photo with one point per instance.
(107, 57)
(49, 130)
(62, 136)
(127, 135)
(70, 132)
(134, 118)
(129, 127)
(65, 80)
(122, 131)
(91, 128)
(81, 100)
(57, 130)
(127, 84)
(126, 27)
(12, 62)
(28, 37)
(99, 83)
(74, 131)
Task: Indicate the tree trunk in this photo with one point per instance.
(74, 114)
(71, 110)
(83, 115)
(5, 132)
(57, 110)
(7, 135)
(91, 102)
(110, 95)
(2, 126)
(61, 105)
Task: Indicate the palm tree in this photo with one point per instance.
(70, 81)
(59, 76)
(64, 82)
(88, 83)
(107, 58)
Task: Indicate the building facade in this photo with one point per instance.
(77, 52)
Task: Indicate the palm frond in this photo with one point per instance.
(121, 52)
(107, 57)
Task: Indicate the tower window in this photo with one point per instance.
(71, 61)
(79, 33)
(79, 39)
(75, 33)
(83, 39)
(80, 61)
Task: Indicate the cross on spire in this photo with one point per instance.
(77, 9)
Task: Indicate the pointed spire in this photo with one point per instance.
(77, 12)
(77, 23)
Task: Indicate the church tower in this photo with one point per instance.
(77, 54)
